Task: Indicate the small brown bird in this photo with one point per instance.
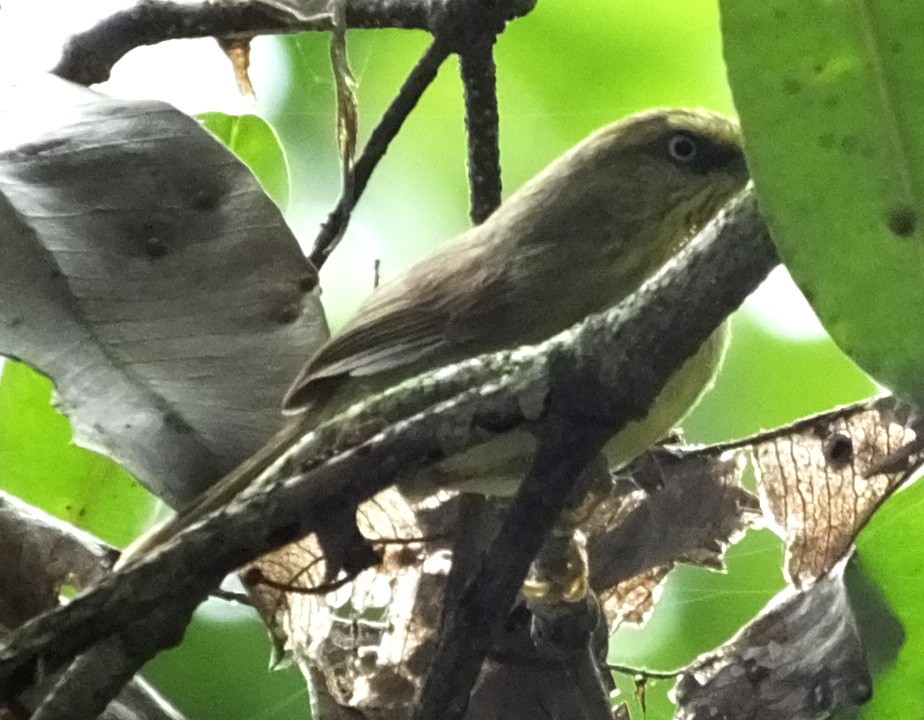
(577, 239)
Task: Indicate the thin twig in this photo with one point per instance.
(644, 674)
(423, 74)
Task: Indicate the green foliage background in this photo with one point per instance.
(563, 71)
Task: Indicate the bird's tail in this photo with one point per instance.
(216, 496)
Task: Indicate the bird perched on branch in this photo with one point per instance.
(577, 239)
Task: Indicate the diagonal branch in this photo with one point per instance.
(603, 373)
(423, 74)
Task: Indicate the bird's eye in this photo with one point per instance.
(681, 147)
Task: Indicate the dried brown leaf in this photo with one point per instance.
(345, 83)
(369, 639)
(238, 51)
(822, 479)
(633, 600)
(801, 659)
(695, 508)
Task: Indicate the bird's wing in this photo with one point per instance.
(384, 343)
(401, 323)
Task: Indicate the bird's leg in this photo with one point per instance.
(559, 573)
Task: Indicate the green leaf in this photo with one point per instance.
(830, 97)
(893, 556)
(39, 463)
(256, 143)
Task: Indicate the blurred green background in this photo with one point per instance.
(563, 71)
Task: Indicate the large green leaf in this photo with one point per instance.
(830, 97)
(40, 464)
(893, 556)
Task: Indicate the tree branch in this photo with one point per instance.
(600, 375)
(89, 56)
(564, 447)
(481, 124)
(40, 555)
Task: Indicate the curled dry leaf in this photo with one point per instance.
(371, 641)
(238, 51)
(345, 83)
(822, 479)
(695, 507)
(365, 639)
(801, 659)
(156, 283)
(41, 556)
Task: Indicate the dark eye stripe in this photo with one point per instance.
(712, 155)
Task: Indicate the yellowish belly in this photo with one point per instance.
(497, 467)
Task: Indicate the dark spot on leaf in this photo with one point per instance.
(780, 14)
(850, 143)
(832, 101)
(839, 449)
(155, 247)
(902, 221)
(407, 556)
(252, 576)
(285, 314)
(204, 200)
(177, 424)
(895, 47)
(55, 274)
(791, 86)
(826, 140)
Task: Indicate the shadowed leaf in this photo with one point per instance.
(801, 659)
(157, 285)
(829, 95)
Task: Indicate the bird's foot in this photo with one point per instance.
(559, 573)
